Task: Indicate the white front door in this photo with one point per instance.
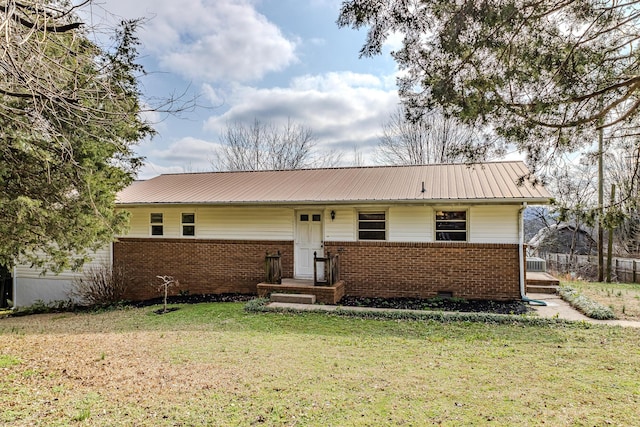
(308, 240)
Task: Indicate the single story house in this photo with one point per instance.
(399, 231)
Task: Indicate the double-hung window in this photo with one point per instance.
(188, 224)
(157, 227)
(451, 226)
(372, 226)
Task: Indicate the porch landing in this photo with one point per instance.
(324, 294)
(541, 282)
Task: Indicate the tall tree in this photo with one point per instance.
(624, 172)
(265, 146)
(431, 138)
(543, 73)
(69, 117)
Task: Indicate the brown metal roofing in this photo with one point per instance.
(489, 182)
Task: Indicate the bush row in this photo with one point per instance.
(259, 305)
(585, 305)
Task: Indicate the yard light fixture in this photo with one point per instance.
(333, 215)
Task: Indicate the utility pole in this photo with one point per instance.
(600, 203)
(610, 235)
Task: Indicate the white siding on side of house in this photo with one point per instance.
(493, 224)
(410, 224)
(342, 228)
(217, 222)
(31, 286)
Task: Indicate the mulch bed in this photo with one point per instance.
(441, 304)
(195, 299)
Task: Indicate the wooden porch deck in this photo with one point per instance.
(324, 294)
(540, 282)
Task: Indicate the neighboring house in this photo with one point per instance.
(401, 231)
(563, 238)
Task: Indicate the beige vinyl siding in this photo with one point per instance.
(410, 224)
(32, 286)
(485, 223)
(342, 228)
(99, 257)
(217, 222)
(250, 223)
(493, 224)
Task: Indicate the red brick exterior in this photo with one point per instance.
(324, 294)
(200, 266)
(374, 269)
(467, 270)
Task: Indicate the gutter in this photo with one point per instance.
(522, 261)
(408, 202)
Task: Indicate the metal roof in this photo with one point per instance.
(481, 182)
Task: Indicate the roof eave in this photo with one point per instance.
(492, 201)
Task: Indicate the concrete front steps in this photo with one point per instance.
(323, 294)
(293, 298)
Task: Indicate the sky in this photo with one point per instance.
(270, 60)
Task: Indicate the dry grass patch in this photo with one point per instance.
(213, 364)
(622, 298)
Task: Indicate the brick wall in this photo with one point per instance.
(388, 269)
(375, 269)
(201, 266)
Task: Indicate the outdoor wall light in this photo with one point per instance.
(333, 215)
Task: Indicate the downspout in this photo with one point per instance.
(522, 261)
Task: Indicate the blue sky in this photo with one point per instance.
(256, 59)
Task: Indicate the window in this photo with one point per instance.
(188, 224)
(157, 229)
(372, 226)
(451, 226)
(304, 217)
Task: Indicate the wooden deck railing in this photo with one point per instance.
(273, 268)
(330, 268)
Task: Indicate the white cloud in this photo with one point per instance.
(393, 42)
(344, 110)
(149, 170)
(217, 40)
(187, 154)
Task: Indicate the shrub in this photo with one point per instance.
(40, 307)
(259, 305)
(100, 285)
(585, 305)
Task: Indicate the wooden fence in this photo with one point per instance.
(625, 270)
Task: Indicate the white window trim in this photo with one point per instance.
(152, 224)
(372, 210)
(182, 224)
(451, 209)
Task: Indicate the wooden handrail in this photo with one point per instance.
(273, 268)
(331, 269)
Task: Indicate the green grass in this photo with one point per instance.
(622, 298)
(215, 364)
(7, 361)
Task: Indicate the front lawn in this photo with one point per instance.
(214, 364)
